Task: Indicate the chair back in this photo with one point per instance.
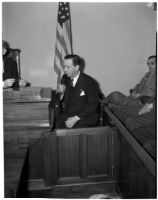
(15, 54)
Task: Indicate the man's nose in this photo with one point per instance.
(65, 70)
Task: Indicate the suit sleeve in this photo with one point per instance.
(15, 70)
(135, 89)
(92, 95)
(10, 69)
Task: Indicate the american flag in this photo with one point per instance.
(63, 38)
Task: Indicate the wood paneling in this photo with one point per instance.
(81, 155)
(36, 159)
(13, 166)
(68, 154)
(50, 159)
(135, 181)
(98, 153)
(30, 94)
(133, 145)
(25, 116)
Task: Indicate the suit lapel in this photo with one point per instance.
(78, 89)
(79, 85)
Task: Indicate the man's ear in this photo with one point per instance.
(77, 67)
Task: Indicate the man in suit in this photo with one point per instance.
(10, 70)
(81, 97)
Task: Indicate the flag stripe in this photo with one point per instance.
(59, 57)
(63, 38)
(67, 38)
(64, 41)
(61, 44)
(59, 29)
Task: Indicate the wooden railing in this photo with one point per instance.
(137, 169)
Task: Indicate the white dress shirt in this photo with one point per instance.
(75, 79)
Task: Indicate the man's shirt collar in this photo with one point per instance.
(75, 79)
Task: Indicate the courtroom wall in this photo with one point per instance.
(114, 38)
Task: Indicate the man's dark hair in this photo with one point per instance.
(153, 56)
(5, 44)
(75, 59)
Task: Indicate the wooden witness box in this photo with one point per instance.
(37, 159)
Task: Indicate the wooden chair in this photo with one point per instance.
(15, 54)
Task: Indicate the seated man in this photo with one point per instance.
(142, 92)
(81, 98)
(10, 71)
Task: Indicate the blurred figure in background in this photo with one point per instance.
(142, 92)
(10, 71)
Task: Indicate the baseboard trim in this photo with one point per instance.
(39, 184)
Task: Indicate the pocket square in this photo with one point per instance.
(82, 93)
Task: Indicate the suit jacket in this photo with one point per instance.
(83, 99)
(147, 85)
(10, 69)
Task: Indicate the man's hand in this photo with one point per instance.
(146, 108)
(61, 88)
(9, 82)
(22, 83)
(135, 95)
(71, 121)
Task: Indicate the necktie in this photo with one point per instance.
(71, 82)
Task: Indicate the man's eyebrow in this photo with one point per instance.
(150, 62)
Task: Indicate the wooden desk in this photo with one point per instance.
(25, 115)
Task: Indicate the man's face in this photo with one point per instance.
(70, 69)
(152, 64)
(4, 51)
